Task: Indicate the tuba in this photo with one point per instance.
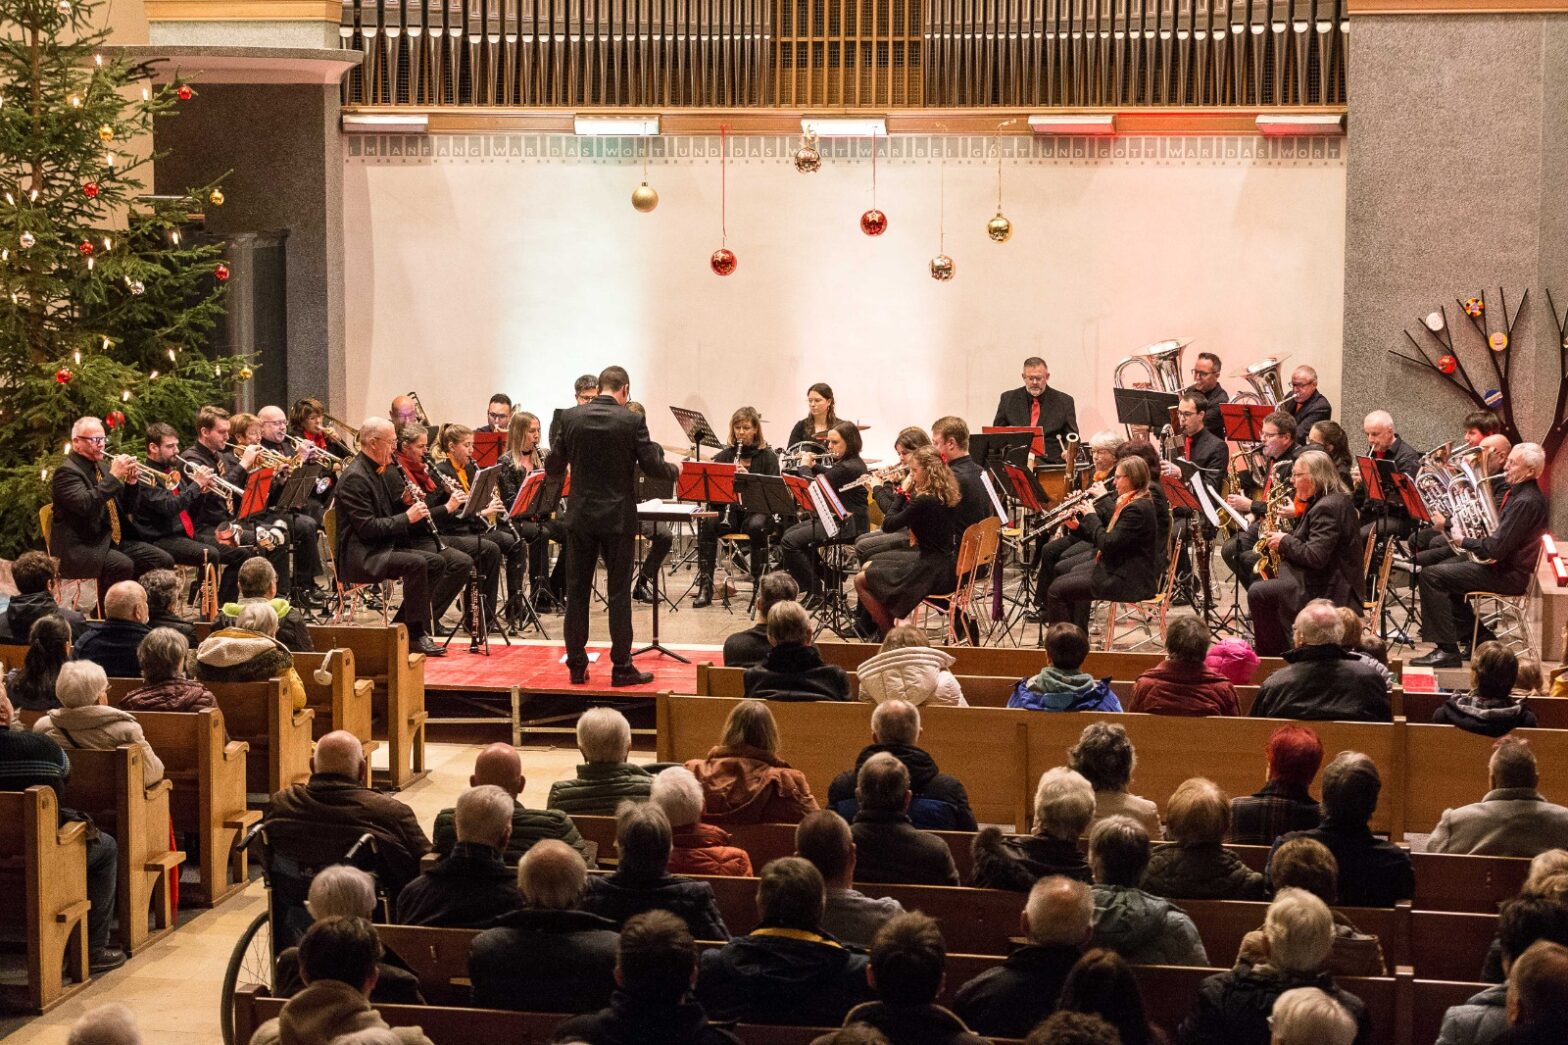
(1161, 361)
(1268, 386)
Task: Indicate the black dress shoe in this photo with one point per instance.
(579, 676)
(104, 959)
(642, 591)
(429, 647)
(630, 677)
(1439, 658)
(704, 593)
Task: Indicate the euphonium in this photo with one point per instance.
(1161, 361)
(1470, 499)
(1264, 377)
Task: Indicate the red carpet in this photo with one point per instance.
(538, 668)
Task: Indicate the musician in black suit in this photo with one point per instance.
(213, 511)
(1507, 559)
(1196, 443)
(1384, 444)
(1269, 467)
(950, 436)
(1129, 558)
(804, 538)
(93, 499)
(1037, 405)
(304, 522)
(1320, 558)
(498, 413)
(604, 444)
(1305, 403)
(1206, 381)
(375, 538)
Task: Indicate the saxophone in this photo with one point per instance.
(1277, 518)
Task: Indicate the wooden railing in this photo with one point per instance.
(817, 54)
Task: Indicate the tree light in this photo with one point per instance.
(171, 355)
(106, 344)
(76, 102)
(108, 244)
(153, 376)
(125, 395)
(90, 263)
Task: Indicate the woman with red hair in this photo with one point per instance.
(1294, 755)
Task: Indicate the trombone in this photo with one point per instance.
(335, 428)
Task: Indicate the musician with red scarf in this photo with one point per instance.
(1128, 559)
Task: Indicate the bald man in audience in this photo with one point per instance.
(500, 765)
(335, 796)
(112, 643)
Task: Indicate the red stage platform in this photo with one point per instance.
(537, 668)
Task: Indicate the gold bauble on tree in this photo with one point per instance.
(644, 198)
(106, 133)
(999, 228)
(246, 373)
(215, 197)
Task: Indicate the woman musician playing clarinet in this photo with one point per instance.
(749, 452)
(801, 540)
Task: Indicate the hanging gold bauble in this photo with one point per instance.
(999, 228)
(245, 373)
(215, 197)
(808, 159)
(942, 268)
(644, 199)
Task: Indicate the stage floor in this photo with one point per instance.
(535, 666)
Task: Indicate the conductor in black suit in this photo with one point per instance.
(1037, 405)
(604, 444)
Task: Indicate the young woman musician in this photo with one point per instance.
(488, 545)
(888, 538)
(820, 415)
(1320, 558)
(1329, 437)
(523, 456)
(1128, 559)
(800, 540)
(749, 452)
(892, 585)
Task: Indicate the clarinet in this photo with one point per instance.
(412, 489)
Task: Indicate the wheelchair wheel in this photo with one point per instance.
(251, 962)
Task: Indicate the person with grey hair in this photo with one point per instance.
(113, 641)
(1009, 999)
(471, 886)
(249, 652)
(85, 720)
(258, 582)
(793, 668)
(1512, 819)
(162, 654)
(1104, 755)
(891, 848)
(699, 848)
(786, 971)
(1063, 811)
(342, 891)
(1503, 562)
(1323, 680)
(550, 956)
(745, 648)
(1143, 928)
(164, 594)
(111, 1024)
(501, 765)
(1311, 1016)
(850, 916)
(940, 802)
(605, 779)
(1373, 872)
(1233, 1008)
(642, 881)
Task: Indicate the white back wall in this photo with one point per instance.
(516, 262)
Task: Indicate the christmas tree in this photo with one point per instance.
(106, 306)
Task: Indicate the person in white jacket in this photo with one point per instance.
(909, 668)
(85, 720)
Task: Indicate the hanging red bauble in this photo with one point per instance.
(723, 261)
(62, 375)
(184, 92)
(1447, 364)
(86, 248)
(221, 272)
(873, 222)
(90, 190)
(114, 419)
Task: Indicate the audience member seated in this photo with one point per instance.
(1063, 811)
(1060, 686)
(1102, 984)
(940, 802)
(793, 668)
(248, 652)
(1195, 865)
(335, 795)
(1512, 819)
(1523, 920)
(606, 778)
(471, 886)
(29, 759)
(37, 579)
(824, 839)
(746, 648)
(163, 589)
(551, 956)
(500, 764)
(1073, 1028)
(85, 720)
(341, 891)
(1284, 805)
(1353, 636)
(111, 1024)
(699, 848)
(1489, 708)
(1105, 758)
(1548, 877)
(642, 881)
(909, 668)
(655, 966)
(1182, 684)
(258, 582)
(786, 971)
(339, 961)
(1234, 659)
(1321, 679)
(1008, 1000)
(1372, 871)
(112, 642)
(31, 686)
(1302, 863)
(1531, 681)
(162, 657)
(1310, 1016)
(1141, 927)
(743, 779)
(891, 848)
(1233, 1007)
(1538, 996)
(908, 963)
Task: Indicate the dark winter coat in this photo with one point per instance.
(23, 611)
(782, 976)
(1145, 929)
(599, 788)
(544, 961)
(1323, 683)
(1017, 862)
(1475, 714)
(528, 826)
(1233, 1007)
(1201, 872)
(635, 1021)
(1007, 1000)
(336, 800)
(620, 895)
(1372, 872)
(940, 801)
(468, 889)
(112, 645)
(914, 1024)
(1174, 687)
(172, 695)
(747, 648)
(889, 848)
(792, 672)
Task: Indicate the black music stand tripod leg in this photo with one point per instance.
(655, 646)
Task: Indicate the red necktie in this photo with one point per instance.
(1189, 447)
(1034, 413)
(185, 521)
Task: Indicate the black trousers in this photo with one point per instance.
(1048, 557)
(583, 552)
(754, 525)
(103, 863)
(431, 580)
(661, 538)
(127, 561)
(802, 539)
(1273, 605)
(303, 528)
(1070, 597)
(514, 559)
(536, 536)
(485, 555)
(191, 551)
(1446, 617)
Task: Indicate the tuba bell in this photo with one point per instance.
(1161, 361)
(1264, 377)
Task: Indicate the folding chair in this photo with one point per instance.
(1151, 612)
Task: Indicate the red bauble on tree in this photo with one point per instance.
(221, 272)
(114, 419)
(723, 261)
(62, 375)
(1447, 364)
(86, 248)
(184, 92)
(90, 190)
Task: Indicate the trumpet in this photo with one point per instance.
(268, 458)
(308, 450)
(228, 489)
(147, 475)
(891, 474)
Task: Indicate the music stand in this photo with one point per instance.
(765, 494)
(800, 489)
(654, 488)
(1243, 421)
(258, 487)
(707, 482)
(1144, 406)
(1014, 443)
(699, 432)
(1410, 496)
(668, 513)
(481, 492)
(1026, 488)
(539, 495)
(488, 447)
(296, 491)
(1178, 494)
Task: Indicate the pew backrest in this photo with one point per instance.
(43, 896)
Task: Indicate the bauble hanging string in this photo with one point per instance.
(723, 261)
(873, 222)
(999, 228)
(941, 265)
(644, 198)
